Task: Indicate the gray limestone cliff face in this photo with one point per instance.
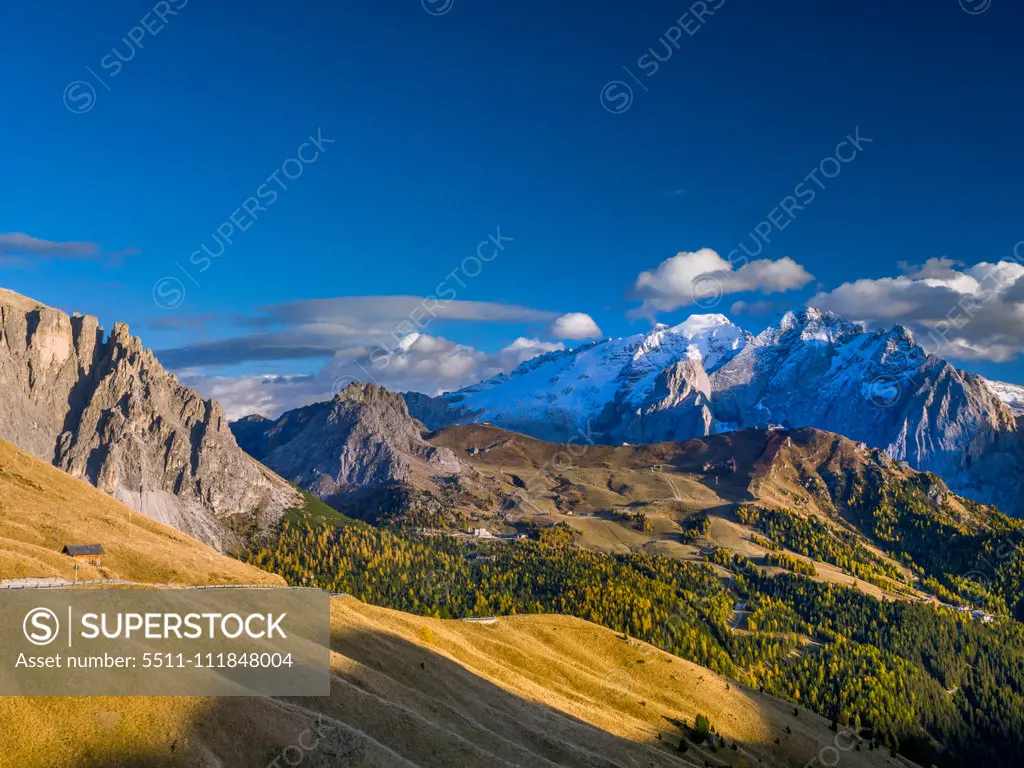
(676, 408)
(363, 438)
(104, 410)
(679, 407)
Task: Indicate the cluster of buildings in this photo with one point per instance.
(483, 533)
(976, 613)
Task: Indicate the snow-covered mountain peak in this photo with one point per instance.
(901, 332)
(695, 324)
(812, 324)
(708, 338)
(899, 346)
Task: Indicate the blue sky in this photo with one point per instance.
(444, 123)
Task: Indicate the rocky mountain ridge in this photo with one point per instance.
(364, 438)
(103, 409)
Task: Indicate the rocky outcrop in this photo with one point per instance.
(362, 439)
(103, 409)
(679, 406)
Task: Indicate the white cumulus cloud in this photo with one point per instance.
(969, 313)
(703, 277)
(574, 325)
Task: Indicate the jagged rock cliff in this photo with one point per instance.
(104, 410)
(363, 438)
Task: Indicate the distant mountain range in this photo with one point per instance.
(707, 376)
(103, 409)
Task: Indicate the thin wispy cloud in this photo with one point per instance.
(14, 244)
(181, 321)
(321, 328)
(18, 247)
(376, 311)
(758, 308)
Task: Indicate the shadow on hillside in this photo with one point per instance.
(393, 703)
(730, 462)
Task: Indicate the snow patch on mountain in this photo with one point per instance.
(1011, 395)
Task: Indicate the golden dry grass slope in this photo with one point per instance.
(41, 506)
(406, 690)
(411, 691)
